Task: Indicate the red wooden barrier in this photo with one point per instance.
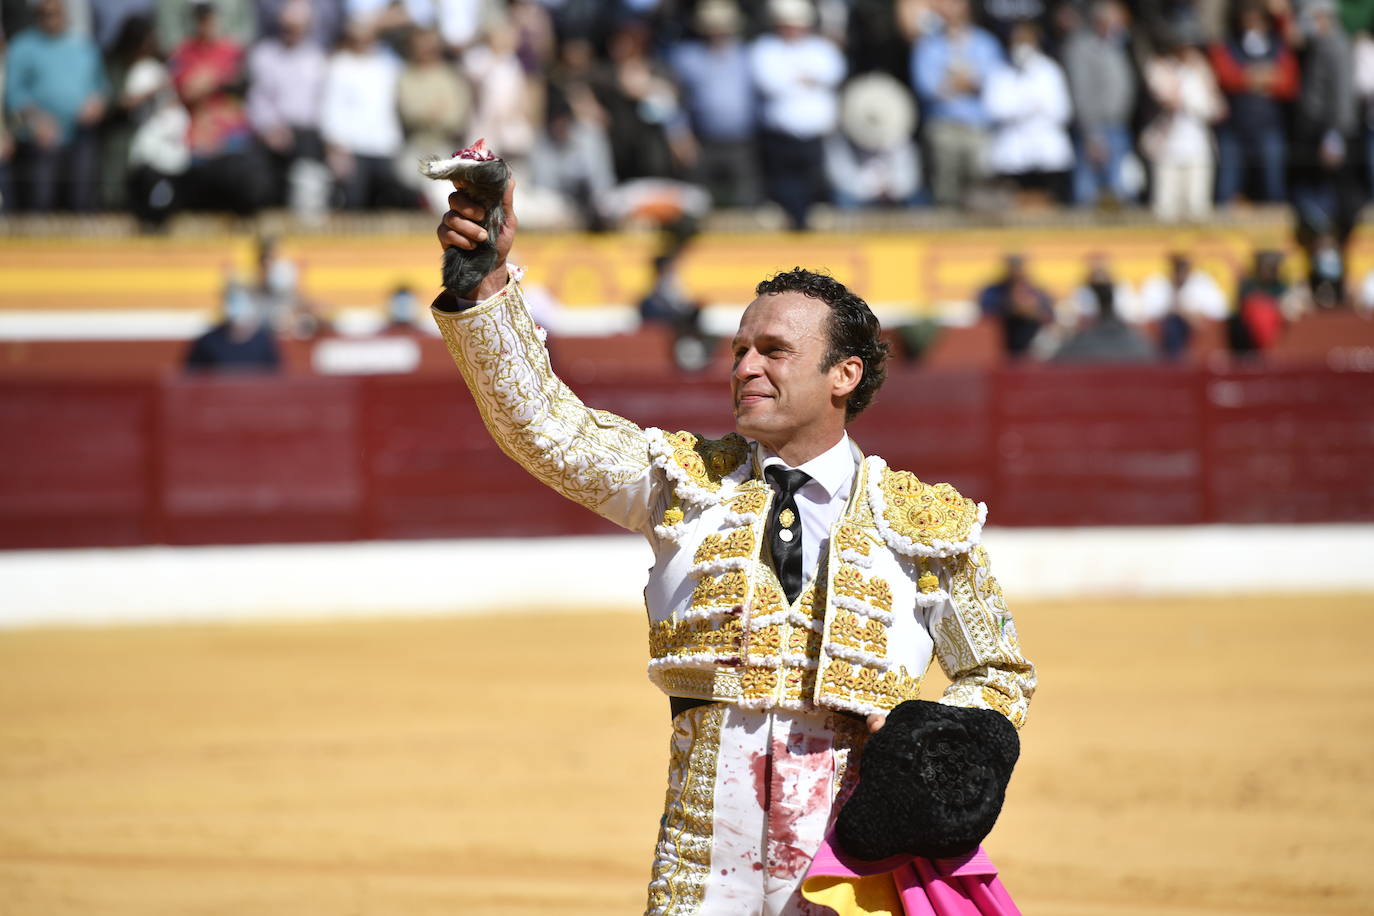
(222, 460)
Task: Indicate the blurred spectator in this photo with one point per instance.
(508, 103)
(948, 70)
(1326, 195)
(1018, 305)
(1326, 272)
(536, 44)
(1028, 102)
(1178, 301)
(226, 170)
(1259, 73)
(1102, 83)
(402, 309)
(110, 16)
(714, 76)
(145, 144)
(240, 342)
(797, 74)
(435, 105)
(325, 23)
(1106, 338)
(873, 160)
(1364, 303)
(285, 94)
(177, 21)
(1085, 300)
(278, 298)
(880, 36)
(668, 303)
(466, 24)
(6, 142)
(1258, 319)
(55, 91)
(572, 157)
(359, 121)
(1178, 141)
(1001, 17)
(135, 42)
(1364, 89)
(648, 131)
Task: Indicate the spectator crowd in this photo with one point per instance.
(1180, 314)
(610, 107)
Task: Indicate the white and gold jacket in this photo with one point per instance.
(904, 577)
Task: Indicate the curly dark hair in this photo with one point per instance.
(852, 330)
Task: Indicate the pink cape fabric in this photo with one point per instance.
(963, 886)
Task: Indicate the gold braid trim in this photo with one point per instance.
(682, 859)
(587, 455)
(978, 646)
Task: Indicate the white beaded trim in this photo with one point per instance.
(900, 542)
(661, 453)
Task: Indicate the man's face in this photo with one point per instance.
(780, 391)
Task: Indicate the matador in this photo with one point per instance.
(800, 588)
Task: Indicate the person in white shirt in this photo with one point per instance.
(1027, 99)
(359, 120)
(1185, 290)
(285, 89)
(799, 590)
(1179, 141)
(797, 75)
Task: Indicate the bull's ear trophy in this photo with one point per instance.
(931, 783)
(483, 176)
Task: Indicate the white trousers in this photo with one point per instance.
(1183, 192)
(751, 794)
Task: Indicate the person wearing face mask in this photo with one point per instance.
(241, 341)
(1258, 72)
(1028, 102)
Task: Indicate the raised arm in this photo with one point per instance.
(592, 457)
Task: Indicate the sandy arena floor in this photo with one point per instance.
(1190, 757)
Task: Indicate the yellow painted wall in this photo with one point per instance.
(916, 270)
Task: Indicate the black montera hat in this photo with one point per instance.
(931, 783)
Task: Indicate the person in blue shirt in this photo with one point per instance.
(55, 92)
(713, 74)
(948, 68)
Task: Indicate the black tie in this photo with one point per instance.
(784, 527)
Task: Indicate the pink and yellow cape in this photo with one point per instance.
(906, 885)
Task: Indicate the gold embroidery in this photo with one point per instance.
(716, 640)
(977, 645)
(853, 685)
(852, 583)
(928, 582)
(723, 591)
(924, 512)
(738, 543)
(864, 634)
(750, 497)
(757, 683)
(587, 455)
(702, 683)
(765, 642)
(997, 700)
(682, 858)
(851, 538)
(673, 514)
(706, 461)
